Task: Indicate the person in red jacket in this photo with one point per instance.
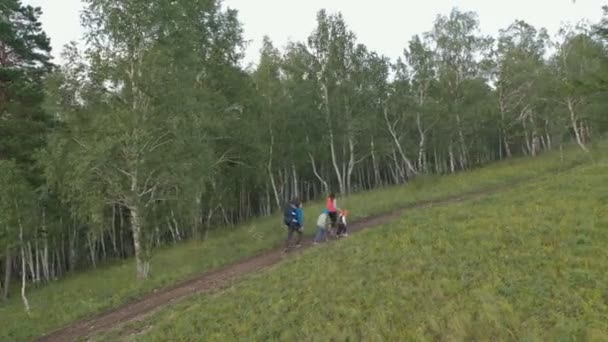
(332, 209)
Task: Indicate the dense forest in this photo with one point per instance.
(155, 133)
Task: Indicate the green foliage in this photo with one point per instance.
(144, 139)
(17, 202)
(114, 284)
(24, 61)
(518, 265)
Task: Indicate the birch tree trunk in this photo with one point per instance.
(30, 261)
(535, 140)
(377, 177)
(573, 121)
(170, 227)
(141, 260)
(452, 161)
(397, 143)
(45, 251)
(113, 231)
(400, 174)
(37, 260)
(421, 144)
(463, 147)
(506, 144)
(7, 273)
(269, 169)
(91, 244)
(176, 226)
(316, 173)
(351, 162)
(503, 129)
(121, 237)
(527, 137)
(142, 264)
(26, 303)
(296, 187)
(332, 147)
(46, 266)
(72, 246)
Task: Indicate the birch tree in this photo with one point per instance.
(577, 63)
(332, 44)
(520, 65)
(459, 49)
(132, 147)
(419, 57)
(17, 208)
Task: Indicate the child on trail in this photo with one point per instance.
(332, 208)
(342, 224)
(323, 224)
(293, 218)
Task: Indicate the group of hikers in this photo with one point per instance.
(330, 223)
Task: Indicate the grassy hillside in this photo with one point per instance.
(109, 286)
(526, 264)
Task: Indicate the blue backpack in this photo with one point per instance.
(289, 215)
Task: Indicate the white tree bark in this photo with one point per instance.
(142, 264)
(176, 225)
(141, 261)
(421, 144)
(296, 187)
(463, 147)
(452, 160)
(575, 127)
(332, 147)
(30, 261)
(316, 173)
(170, 227)
(351, 162)
(7, 273)
(45, 254)
(377, 178)
(91, 244)
(397, 143)
(269, 169)
(113, 231)
(26, 303)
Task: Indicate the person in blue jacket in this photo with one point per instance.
(294, 221)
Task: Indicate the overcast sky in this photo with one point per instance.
(384, 26)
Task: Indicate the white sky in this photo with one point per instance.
(384, 26)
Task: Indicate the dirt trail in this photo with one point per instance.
(220, 278)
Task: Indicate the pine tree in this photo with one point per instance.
(24, 60)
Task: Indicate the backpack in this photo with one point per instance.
(289, 215)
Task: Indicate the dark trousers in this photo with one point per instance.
(333, 216)
(293, 228)
(341, 229)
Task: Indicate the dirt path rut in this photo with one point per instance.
(220, 278)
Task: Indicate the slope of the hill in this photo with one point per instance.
(87, 293)
(525, 264)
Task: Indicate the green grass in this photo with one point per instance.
(526, 264)
(89, 292)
